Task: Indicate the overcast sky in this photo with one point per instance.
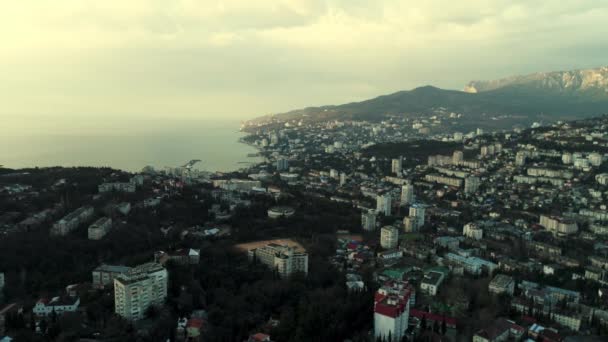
(81, 59)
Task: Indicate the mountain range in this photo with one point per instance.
(558, 95)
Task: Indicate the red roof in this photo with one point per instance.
(449, 321)
(195, 323)
(352, 245)
(260, 337)
(393, 311)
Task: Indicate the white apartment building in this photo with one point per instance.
(71, 221)
(138, 289)
(407, 194)
(285, 259)
(389, 237)
(431, 282)
(368, 220)
(558, 225)
(384, 204)
(450, 181)
(397, 166)
(391, 310)
(417, 212)
(99, 228)
(473, 231)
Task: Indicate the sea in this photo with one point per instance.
(129, 145)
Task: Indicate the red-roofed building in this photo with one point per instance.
(391, 309)
(259, 337)
(431, 318)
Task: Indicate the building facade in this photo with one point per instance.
(389, 237)
(391, 310)
(138, 289)
(285, 259)
(99, 228)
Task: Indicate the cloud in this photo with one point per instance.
(248, 57)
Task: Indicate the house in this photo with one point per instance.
(501, 330)
(181, 256)
(59, 305)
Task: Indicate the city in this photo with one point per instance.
(420, 237)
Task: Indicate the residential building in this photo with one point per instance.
(457, 156)
(502, 284)
(471, 184)
(284, 259)
(103, 275)
(397, 166)
(391, 310)
(100, 228)
(450, 181)
(138, 289)
(59, 305)
(368, 220)
(282, 164)
(184, 256)
(417, 212)
(558, 225)
(389, 237)
(384, 204)
(473, 231)
(430, 282)
(71, 221)
(407, 194)
(501, 330)
(472, 265)
(117, 186)
(1, 283)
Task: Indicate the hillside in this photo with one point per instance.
(555, 96)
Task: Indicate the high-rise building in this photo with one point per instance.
(407, 194)
(417, 212)
(471, 184)
(342, 179)
(138, 289)
(389, 237)
(383, 204)
(520, 159)
(368, 220)
(391, 310)
(397, 166)
(282, 164)
(457, 157)
(285, 259)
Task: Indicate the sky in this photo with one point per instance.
(69, 61)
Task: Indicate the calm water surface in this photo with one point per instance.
(131, 146)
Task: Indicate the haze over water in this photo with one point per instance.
(127, 145)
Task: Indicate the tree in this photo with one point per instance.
(444, 327)
(423, 323)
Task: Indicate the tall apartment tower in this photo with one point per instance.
(417, 212)
(397, 166)
(138, 289)
(383, 204)
(368, 220)
(407, 194)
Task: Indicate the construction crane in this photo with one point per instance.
(190, 164)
